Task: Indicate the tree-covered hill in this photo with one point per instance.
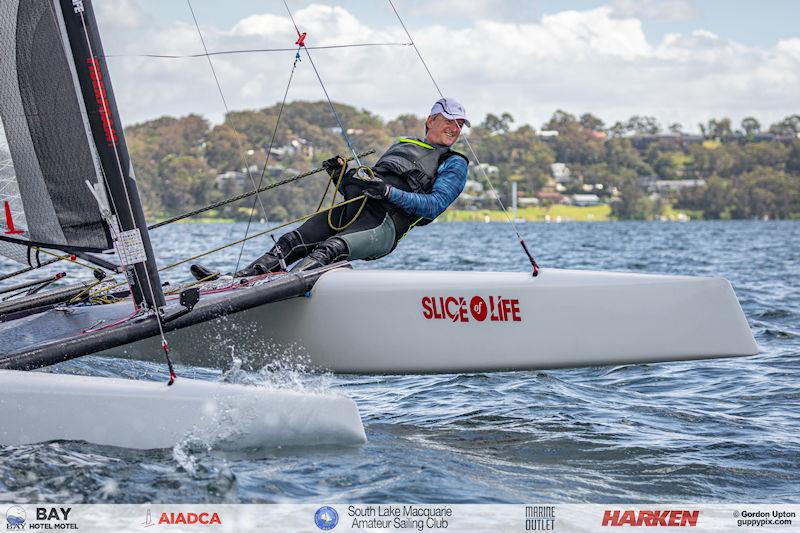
(184, 163)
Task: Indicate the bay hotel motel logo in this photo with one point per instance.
(47, 518)
(15, 518)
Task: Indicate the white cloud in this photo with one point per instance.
(591, 60)
(472, 9)
(671, 10)
(121, 13)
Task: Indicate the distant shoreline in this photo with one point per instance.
(551, 214)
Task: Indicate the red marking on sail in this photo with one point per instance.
(10, 222)
(101, 97)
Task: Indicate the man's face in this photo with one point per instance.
(442, 130)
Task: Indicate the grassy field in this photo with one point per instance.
(556, 213)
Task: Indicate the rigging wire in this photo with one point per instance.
(269, 152)
(534, 265)
(56, 258)
(301, 43)
(227, 111)
(117, 158)
(252, 51)
(246, 195)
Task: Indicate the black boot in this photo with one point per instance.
(202, 273)
(330, 251)
(291, 248)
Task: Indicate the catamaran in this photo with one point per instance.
(71, 196)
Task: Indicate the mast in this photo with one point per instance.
(133, 242)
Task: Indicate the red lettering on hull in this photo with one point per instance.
(471, 309)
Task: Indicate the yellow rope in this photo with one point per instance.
(65, 257)
(198, 282)
(84, 291)
(333, 226)
(334, 205)
(214, 250)
(270, 230)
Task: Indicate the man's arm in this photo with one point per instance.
(450, 180)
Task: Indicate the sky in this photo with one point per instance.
(683, 61)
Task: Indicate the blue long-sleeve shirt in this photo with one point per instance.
(451, 177)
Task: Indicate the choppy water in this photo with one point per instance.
(710, 431)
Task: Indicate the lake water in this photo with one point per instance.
(708, 431)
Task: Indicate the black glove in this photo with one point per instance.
(375, 188)
(333, 166)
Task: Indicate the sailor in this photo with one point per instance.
(417, 179)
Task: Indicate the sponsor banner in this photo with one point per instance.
(435, 518)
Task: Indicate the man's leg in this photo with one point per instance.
(292, 246)
(370, 237)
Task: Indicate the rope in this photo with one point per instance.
(228, 245)
(534, 265)
(251, 51)
(259, 234)
(242, 196)
(29, 268)
(333, 226)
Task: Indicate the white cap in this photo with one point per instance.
(450, 108)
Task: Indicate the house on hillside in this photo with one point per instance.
(551, 197)
(585, 200)
(664, 186)
(561, 173)
(230, 177)
(674, 140)
(296, 145)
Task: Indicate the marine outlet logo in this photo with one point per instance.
(471, 309)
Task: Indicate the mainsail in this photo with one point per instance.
(72, 171)
(47, 132)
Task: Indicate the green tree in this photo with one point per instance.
(632, 203)
(751, 126)
(643, 125)
(223, 150)
(591, 122)
(495, 124)
(789, 126)
(717, 129)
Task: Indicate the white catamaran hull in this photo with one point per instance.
(387, 321)
(40, 407)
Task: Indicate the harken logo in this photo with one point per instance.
(471, 309)
(666, 518)
(15, 517)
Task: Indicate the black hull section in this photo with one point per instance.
(56, 336)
